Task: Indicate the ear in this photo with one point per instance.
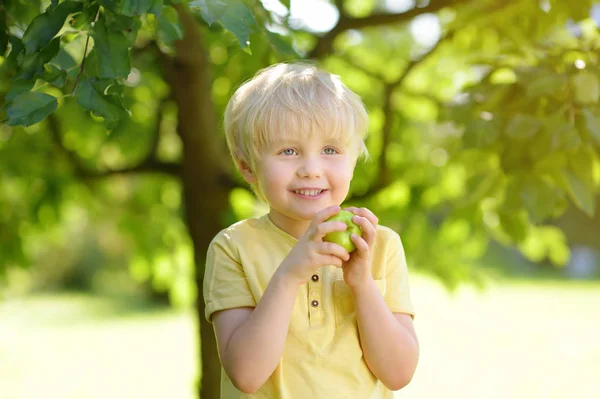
(246, 171)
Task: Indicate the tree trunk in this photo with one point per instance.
(204, 158)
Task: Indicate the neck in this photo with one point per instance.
(294, 227)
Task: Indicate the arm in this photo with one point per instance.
(388, 340)
(251, 341)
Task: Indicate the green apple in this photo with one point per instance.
(342, 238)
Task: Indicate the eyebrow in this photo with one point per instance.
(283, 141)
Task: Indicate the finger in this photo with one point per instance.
(366, 213)
(321, 230)
(332, 260)
(329, 248)
(361, 245)
(368, 230)
(325, 214)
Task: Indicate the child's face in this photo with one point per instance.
(301, 176)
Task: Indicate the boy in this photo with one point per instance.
(294, 316)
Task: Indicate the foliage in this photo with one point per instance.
(487, 131)
(492, 144)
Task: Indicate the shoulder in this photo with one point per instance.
(386, 234)
(238, 232)
(387, 240)
(228, 245)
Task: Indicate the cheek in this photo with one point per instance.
(274, 175)
(344, 172)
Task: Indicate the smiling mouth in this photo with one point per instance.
(309, 193)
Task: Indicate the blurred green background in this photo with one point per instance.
(114, 177)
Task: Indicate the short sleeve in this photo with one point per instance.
(225, 284)
(397, 295)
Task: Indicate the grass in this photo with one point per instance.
(524, 340)
(537, 340)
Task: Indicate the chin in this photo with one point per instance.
(306, 215)
(310, 212)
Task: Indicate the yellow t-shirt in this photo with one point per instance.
(322, 357)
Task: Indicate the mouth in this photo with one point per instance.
(309, 193)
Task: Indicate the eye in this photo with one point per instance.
(330, 151)
(288, 151)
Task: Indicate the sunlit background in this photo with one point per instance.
(485, 114)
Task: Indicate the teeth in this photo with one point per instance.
(311, 193)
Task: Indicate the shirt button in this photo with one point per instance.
(315, 304)
(315, 278)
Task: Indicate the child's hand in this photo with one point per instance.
(311, 252)
(357, 270)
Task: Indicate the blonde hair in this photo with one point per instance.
(292, 99)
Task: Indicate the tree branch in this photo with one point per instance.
(383, 178)
(87, 42)
(340, 6)
(149, 165)
(380, 78)
(146, 166)
(325, 43)
(152, 151)
(416, 62)
(388, 114)
(373, 75)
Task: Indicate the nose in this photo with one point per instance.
(310, 167)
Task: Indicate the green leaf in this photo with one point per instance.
(211, 10)
(139, 7)
(515, 224)
(156, 7)
(558, 134)
(480, 186)
(586, 87)
(546, 84)
(169, 26)
(30, 108)
(481, 133)
(109, 5)
(112, 49)
(33, 64)
(65, 61)
(91, 96)
(592, 124)
(84, 19)
(540, 198)
(523, 127)
(54, 75)
(91, 63)
(128, 26)
(282, 44)
(45, 26)
(16, 47)
(232, 14)
(556, 244)
(18, 87)
(51, 50)
(579, 191)
(30, 66)
(286, 3)
(239, 20)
